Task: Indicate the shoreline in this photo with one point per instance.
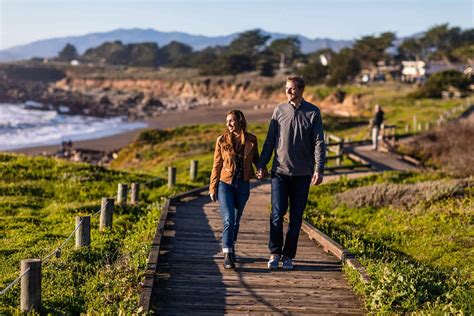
(199, 115)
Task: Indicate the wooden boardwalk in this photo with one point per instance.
(381, 161)
(192, 280)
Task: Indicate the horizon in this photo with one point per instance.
(312, 19)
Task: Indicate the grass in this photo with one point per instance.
(39, 198)
(419, 257)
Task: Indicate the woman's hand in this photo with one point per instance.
(213, 197)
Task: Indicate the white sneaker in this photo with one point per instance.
(273, 262)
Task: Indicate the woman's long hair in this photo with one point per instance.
(229, 138)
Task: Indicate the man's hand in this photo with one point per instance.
(260, 174)
(213, 197)
(317, 178)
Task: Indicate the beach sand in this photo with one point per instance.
(199, 115)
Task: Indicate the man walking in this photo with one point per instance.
(376, 123)
(296, 136)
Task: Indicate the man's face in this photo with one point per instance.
(293, 93)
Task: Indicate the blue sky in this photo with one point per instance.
(24, 21)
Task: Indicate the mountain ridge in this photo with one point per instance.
(50, 47)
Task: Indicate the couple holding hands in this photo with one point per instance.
(296, 138)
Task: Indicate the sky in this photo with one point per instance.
(24, 21)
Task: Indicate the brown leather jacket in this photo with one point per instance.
(224, 166)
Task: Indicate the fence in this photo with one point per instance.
(30, 269)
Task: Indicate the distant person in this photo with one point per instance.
(234, 154)
(377, 122)
(296, 137)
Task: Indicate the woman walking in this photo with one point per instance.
(235, 152)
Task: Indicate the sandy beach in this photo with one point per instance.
(200, 115)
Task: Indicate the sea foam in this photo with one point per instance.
(21, 127)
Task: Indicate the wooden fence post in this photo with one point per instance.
(83, 233)
(193, 170)
(122, 193)
(106, 213)
(171, 177)
(135, 193)
(414, 123)
(30, 297)
(339, 152)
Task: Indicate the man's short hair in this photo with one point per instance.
(298, 80)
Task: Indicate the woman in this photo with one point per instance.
(235, 151)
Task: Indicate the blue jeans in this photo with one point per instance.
(292, 190)
(232, 199)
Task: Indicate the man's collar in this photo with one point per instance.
(295, 105)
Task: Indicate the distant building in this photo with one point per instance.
(75, 62)
(413, 71)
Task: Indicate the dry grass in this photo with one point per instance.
(403, 196)
(449, 148)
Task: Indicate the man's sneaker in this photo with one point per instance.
(273, 262)
(287, 263)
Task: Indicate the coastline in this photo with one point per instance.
(198, 115)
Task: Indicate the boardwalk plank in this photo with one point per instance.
(192, 280)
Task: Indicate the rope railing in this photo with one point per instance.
(14, 282)
(31, 268)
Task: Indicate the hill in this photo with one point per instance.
(51, 47)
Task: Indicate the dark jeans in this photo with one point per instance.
(292, 190)
(232, 200)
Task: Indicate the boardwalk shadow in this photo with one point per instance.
(189, 280)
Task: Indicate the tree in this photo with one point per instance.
(371, 49)
(143, 55)
(68, 53)
(344, 67)
(410, 48)
(288, 47)
(314, 73)
(176, 54)
(248, 43)
(114, 53)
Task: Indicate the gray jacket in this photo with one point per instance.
(296, 136)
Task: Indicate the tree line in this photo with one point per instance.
(252, 51)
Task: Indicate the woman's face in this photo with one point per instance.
(231, 123)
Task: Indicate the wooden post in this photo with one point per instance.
(171, 177)
(83, 233)
(134, 194)
(30, 297)
(427, 126)
(106, 213)
(407, 128)
(193, 170)
(414, 123)
(394, 136)
(419, 127)
(339, 152)
(122, 193)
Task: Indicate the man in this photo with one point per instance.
(376, 125)
(296, 136)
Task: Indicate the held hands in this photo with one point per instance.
(317, 178)
(260, 174)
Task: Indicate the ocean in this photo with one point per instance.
(22, 126)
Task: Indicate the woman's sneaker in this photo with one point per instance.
(287, 263)
(273, 262)
(228, 263)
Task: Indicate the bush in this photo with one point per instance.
(443, 81)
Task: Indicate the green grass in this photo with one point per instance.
(39, 198)
(419, 259)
